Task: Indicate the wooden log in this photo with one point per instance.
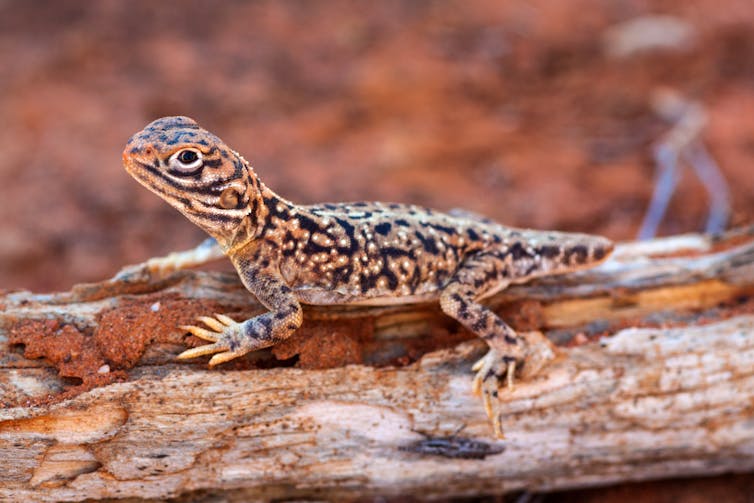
(654, 377)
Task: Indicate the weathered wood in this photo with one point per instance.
(620, 402)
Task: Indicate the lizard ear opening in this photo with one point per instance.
(229, 198)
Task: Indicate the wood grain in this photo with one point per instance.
(654, 378)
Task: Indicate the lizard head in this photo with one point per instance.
(196, 173)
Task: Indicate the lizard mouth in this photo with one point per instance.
(144, 173)
(136, 168)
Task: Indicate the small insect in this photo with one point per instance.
(453, 446)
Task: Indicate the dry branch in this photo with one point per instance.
(655, 378)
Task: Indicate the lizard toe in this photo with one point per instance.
(207, 349)
(202, 333)
(225, 320)
(212, 323)
(225, 356)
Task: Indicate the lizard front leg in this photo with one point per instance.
(231, 339)
(508, 351)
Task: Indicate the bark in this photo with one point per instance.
(654, 377)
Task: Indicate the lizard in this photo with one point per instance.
(368, 253)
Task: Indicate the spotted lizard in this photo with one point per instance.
(343, 253)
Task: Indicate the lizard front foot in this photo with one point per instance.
(497, 367)
(227, 337)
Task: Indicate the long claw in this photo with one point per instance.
(207, 349)
(498, 427)
(478, 365)
(223, 357)
(487, 399)
(212, 323)
(226, 320)
(202, 333)
(476, 387)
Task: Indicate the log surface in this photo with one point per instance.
(654, 377)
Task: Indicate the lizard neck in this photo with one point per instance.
(267, 210)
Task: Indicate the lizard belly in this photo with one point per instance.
(321, 297)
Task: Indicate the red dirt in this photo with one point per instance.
(512, 109)
(123, 334)
(343, 340)
(70, 351)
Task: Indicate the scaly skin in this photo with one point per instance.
(343, 253)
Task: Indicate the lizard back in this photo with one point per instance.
(334, 253)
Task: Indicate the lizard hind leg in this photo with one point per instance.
(508, 351)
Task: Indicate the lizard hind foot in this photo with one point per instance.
(491, 370)
(224, 334)
(497, 367)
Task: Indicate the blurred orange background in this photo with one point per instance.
(536, 113)
(519, 110)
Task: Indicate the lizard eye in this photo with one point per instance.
(186, 162)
